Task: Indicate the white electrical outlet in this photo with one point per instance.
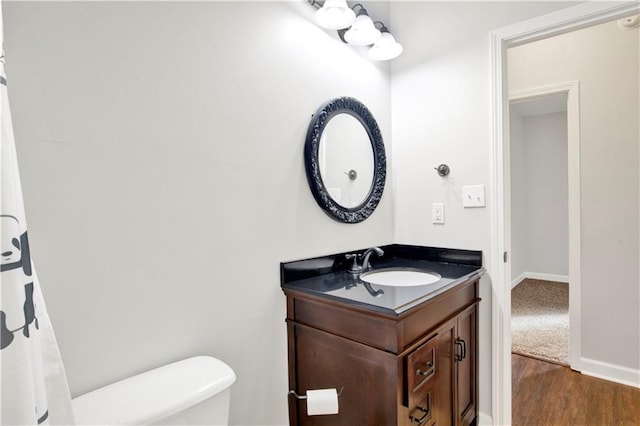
(437, 213)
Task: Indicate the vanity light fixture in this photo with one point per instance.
(362, 31)
(386, 48)
(334, 14)
(357, 28)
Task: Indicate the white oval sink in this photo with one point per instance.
(400, 277)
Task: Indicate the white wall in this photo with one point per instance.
(539, 194)
(605, 59)
(518, 199)
(441, 101)
(161, 153)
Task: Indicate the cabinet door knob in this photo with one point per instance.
(429, 371)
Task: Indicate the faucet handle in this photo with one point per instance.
(355, 268)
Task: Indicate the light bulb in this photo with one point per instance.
(386, 48)
(362, 32)
(335, 15)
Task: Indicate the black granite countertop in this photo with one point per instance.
(328, 276)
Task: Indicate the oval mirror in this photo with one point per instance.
(345, 160)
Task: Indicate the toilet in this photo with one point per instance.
(194, 391)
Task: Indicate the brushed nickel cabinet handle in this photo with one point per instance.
(425, 412)
(422, 418)
(429, 371)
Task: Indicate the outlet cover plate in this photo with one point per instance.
(437, 213)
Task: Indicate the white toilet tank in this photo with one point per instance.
(195, 391)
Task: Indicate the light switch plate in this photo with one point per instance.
(437, 213)
(473, 196)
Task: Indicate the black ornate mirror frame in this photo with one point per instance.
(355, 108)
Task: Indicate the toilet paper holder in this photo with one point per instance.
(292, 392)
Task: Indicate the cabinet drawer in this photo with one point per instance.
(421, 371)
(422, 413)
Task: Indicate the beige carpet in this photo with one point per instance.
(540, 320)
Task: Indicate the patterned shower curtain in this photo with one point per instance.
(34, 387)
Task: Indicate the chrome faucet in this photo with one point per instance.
(355, 268)
(367, 254)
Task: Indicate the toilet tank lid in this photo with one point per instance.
(155, 394)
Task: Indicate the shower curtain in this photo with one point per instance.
(34, 387)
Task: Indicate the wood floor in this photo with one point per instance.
(550, 394)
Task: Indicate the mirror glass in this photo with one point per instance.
(345, 160)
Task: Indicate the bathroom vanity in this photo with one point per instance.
(404, 355)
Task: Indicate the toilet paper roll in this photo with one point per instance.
(322, 401)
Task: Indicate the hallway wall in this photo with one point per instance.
(539, 196)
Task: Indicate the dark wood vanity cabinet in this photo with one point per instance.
(414, 368)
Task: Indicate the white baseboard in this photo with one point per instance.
(613, 373)
(539, 276)
(518, 280)
(484, 419)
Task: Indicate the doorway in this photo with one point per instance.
(539, 164)
(565, 21)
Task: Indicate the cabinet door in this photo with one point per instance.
(465, 359)
(443, 403)
(456, 395)
(323, 360)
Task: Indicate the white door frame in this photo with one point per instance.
(572, 90)
(562, 21)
